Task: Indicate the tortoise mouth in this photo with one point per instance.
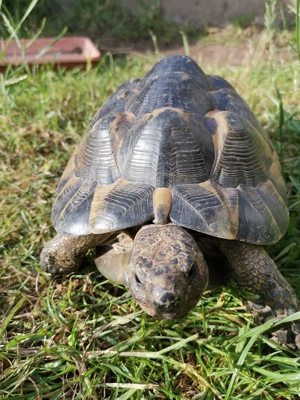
(163, 313)
(169, 308)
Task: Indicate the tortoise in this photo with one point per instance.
(179, 185)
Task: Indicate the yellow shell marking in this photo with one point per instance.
(162, 201)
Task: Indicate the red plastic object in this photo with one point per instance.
(67, 52)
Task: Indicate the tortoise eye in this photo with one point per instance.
(137, 279)
(192, 272)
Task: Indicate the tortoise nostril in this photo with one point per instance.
(167, 298)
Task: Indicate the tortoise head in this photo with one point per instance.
(167, 273)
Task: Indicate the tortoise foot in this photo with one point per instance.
(64, 253)
(56, 259)
(287, 337)
(288, 334)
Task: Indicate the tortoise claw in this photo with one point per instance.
(287, 335)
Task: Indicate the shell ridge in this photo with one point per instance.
(72, 216)
(257, 221)
(121, 205)
(179, 129)
(209, 215)
(242, 155)
(94, 160)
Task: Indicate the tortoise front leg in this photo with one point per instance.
(113, 263)
(64, 253)
(272, 296)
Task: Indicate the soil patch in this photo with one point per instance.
(231, 52)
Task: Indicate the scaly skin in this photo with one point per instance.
(256, 272)
(167, 273)
(64, 253)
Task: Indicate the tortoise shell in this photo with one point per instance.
(180, 129)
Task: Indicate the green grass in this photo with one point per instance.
(81, 337)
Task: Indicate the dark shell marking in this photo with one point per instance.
(179, 129)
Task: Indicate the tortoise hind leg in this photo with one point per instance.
(64, 253)
(256, 272)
